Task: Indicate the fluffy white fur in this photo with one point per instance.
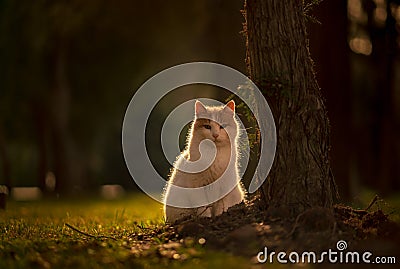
(201, 129)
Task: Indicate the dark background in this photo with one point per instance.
(68, 70)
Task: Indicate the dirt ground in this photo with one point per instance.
(246, 229)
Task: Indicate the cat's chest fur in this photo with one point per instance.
(217, 169)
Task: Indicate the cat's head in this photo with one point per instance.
(215, 123)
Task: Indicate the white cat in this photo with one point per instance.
(213, 123)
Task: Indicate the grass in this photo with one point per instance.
(389, 205)
(34, 235)
(126, 233)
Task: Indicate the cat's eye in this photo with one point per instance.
(207, 126)
(223, 126)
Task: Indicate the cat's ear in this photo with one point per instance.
(230, 107)
(199, 108)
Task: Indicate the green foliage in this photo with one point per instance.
(244, 112)
(277, 85)
(273, 85)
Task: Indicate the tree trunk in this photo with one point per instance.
(65, 162)
(278, 61)
(41, 122)
(5, 162)
(384, 61)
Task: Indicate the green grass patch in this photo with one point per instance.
(390, 205)
(127, 233)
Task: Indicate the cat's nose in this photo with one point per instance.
(215, 135)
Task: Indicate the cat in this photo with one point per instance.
(206, 126)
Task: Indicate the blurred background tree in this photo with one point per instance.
(69, 68)
(355, 49)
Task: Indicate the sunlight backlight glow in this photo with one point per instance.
(355, 11)
(361, 45)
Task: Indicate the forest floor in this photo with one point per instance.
(131, 233)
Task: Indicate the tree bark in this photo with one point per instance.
(278, 61)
